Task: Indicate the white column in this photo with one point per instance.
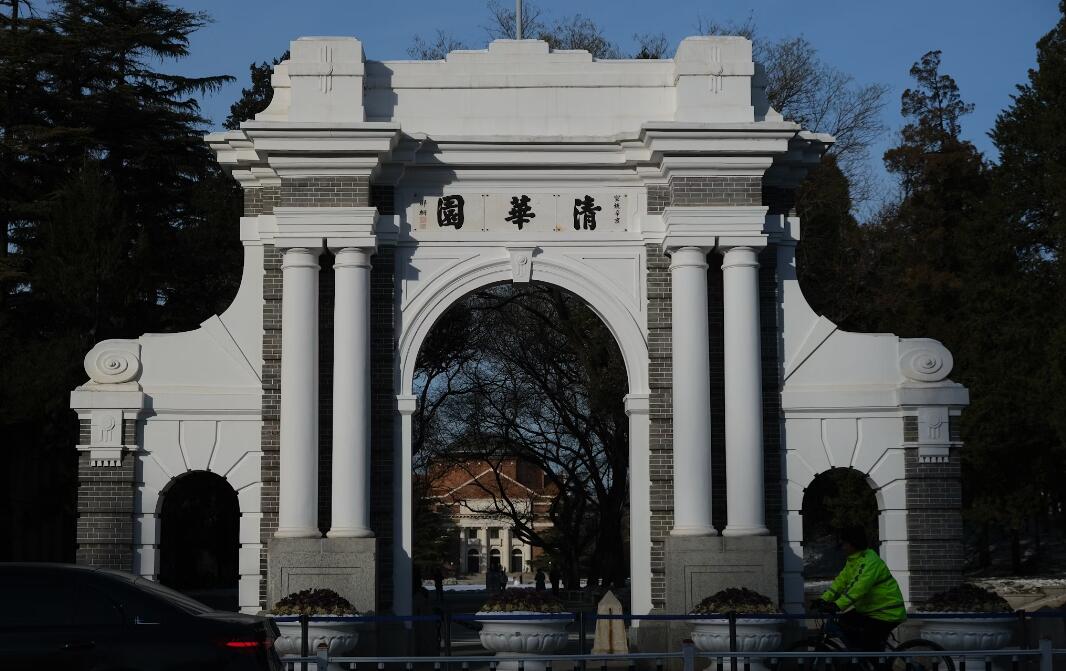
(351, 395)
(403, 501)
(638, 408)
(743, 393)
(691, 394)
(298, 486)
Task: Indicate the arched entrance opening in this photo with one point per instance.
(200, 538)
(836, 499)
(473, 562)
(521, 422)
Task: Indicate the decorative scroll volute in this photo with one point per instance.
(114, 362)
(924, 360)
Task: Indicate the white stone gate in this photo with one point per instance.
(379, 193)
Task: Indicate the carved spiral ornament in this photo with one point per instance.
(111, 362)
(925, 360)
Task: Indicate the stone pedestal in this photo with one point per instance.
(344, 565)
(699, 566)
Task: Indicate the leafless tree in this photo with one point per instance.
(437, 50)
(822, 98)
(534, 375)
(501, 24)
(651, 45)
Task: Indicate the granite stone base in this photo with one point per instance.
(345, 565)
(699, 566)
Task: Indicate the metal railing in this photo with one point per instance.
(734, 660)
(718, 661)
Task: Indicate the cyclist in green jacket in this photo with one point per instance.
(865, 594)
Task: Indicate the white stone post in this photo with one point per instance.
(743, 392)
(691, 394)
(298, 486)
(351, 396)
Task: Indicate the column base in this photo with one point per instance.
(297, 532)
(705, 531)
(348, 566)
(352, 532)
(735, 531)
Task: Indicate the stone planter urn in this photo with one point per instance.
(969, 633)
(339, 638)
(754, 634)
(523, 638)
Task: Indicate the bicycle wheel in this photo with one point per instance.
(934, 661)
(814, 662)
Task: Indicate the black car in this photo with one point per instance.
(60, 616)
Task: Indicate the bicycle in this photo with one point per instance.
(828, 639)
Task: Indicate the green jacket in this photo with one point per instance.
(867, 586)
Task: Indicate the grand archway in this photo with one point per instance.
(521, 435)
(199, 538)
(560, 273)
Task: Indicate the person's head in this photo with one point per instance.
(853, 539)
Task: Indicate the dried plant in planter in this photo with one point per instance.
(966, 598)
(523, 601)
(314, 602)
(736, 600)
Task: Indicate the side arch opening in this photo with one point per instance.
(836, 499)
(200, 539)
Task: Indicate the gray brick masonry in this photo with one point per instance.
(382, 413)
(689, 191)
(658, 198)
(723, 190)
(340, 191)
(326, 284)
(105, 507)
(270, 438)
(660, 381)
(934, 524)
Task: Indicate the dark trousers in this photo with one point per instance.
(863, 633)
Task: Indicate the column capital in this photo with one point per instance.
(406, 404)
(688, 257)
(637, 404)
(301, 257)
(744, 256)
(352, 257)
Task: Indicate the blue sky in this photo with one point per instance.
(988, 45)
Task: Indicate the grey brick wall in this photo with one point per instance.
(382, 413)
(341, 191)
(725, 190)
(105, 508)
(773, 458)
(253, 202)
(332, 192)
(660, 381)
(326, 302)
(689, 191)
(270, 438)
(934, 524)
(658, 198)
